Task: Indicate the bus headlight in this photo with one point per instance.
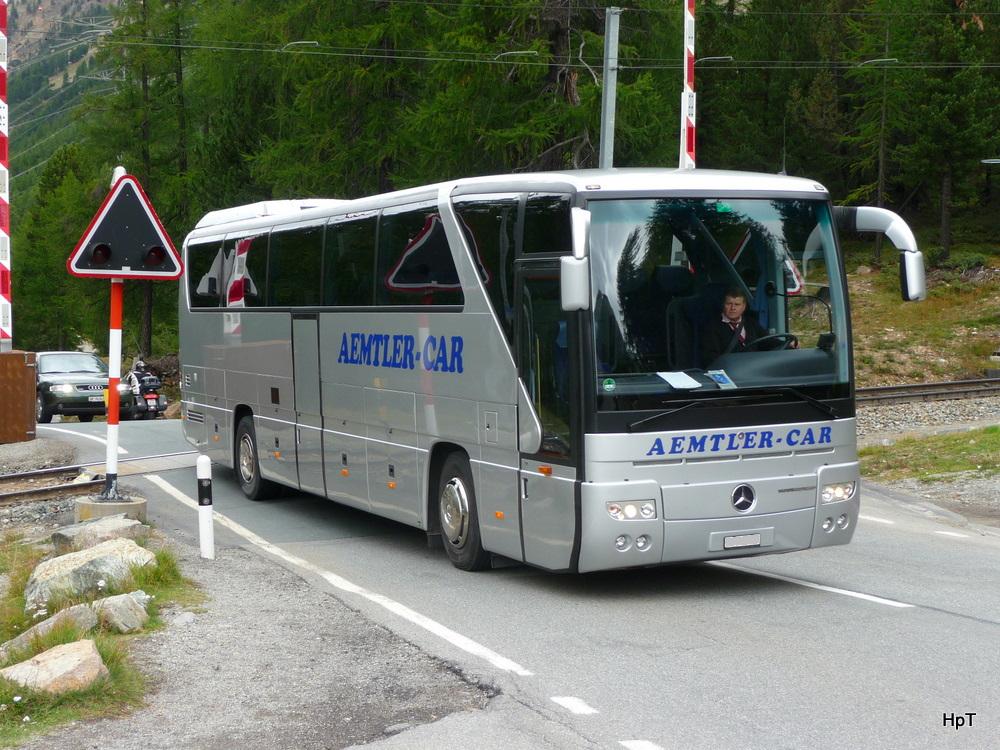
(637, 509)
(834, 493)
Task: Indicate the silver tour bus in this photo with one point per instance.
(534, 366)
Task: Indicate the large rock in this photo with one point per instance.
(122, 613)
(81, 615)
(71, 666)
(80, 573)
(90, 533)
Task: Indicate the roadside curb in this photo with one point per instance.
(922, 506)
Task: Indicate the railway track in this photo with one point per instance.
(67, 481)
(954, 389)
(82, 479)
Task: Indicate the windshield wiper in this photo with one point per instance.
(814, 402)
(689, 404)
(748, 394)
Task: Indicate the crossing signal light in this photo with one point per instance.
(154, 257)
(101, 254)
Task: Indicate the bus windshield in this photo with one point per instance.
(716, 294)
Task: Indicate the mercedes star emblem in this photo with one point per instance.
(744, 498)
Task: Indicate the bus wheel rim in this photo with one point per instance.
(247, 471)
(455, 512)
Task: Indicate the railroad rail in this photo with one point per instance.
(944, 391)
(80, 479)
(66, 481)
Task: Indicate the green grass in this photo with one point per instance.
(935, 458)
(121, 690)
(950, 335)
(124, 687)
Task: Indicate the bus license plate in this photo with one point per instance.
(745, 540)
(95, 399)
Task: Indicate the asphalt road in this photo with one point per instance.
(886, 643)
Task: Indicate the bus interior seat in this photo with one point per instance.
(699, 310)
(666, 284)
(677, 283)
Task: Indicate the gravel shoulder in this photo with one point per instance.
(969, 494)
(272, 661)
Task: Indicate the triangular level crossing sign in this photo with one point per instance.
(125, 239)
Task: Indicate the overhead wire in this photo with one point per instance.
(490, 58)
(674, 11)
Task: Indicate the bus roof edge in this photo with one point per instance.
(263, 208)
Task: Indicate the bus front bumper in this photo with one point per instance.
(608, 544)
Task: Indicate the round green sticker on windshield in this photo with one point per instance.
(609, 384)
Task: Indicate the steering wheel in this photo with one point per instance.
(789, 341)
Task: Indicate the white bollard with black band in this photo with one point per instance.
(206, 532)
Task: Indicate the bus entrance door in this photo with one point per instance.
(308, 404)
(547, 486)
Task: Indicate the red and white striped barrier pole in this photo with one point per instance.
(6, 310)
(687, 98)
(114, 397)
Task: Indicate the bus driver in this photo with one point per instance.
(733, 331)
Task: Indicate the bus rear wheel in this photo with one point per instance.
(458, 515)
(254, 486)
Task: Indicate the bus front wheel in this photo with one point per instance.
(254, 486)
(459, 516)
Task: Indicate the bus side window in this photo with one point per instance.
(205, 274)
(489, 229)
(246, 271)
(294, 267)
(547, 225)
(544, 361)
(415, 262)
(349, 263)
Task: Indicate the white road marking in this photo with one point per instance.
(102, 441)
(952, 533)
(639, 745)
(574, 705)
(817, 586)
(456, 639)
(877, 520)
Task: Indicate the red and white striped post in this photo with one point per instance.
(114, 397)
(6, 310)
(687, 97)
(114, 377)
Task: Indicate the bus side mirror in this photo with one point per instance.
(580, 218)
(574, 283)
(912, 281)
(574, 272)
